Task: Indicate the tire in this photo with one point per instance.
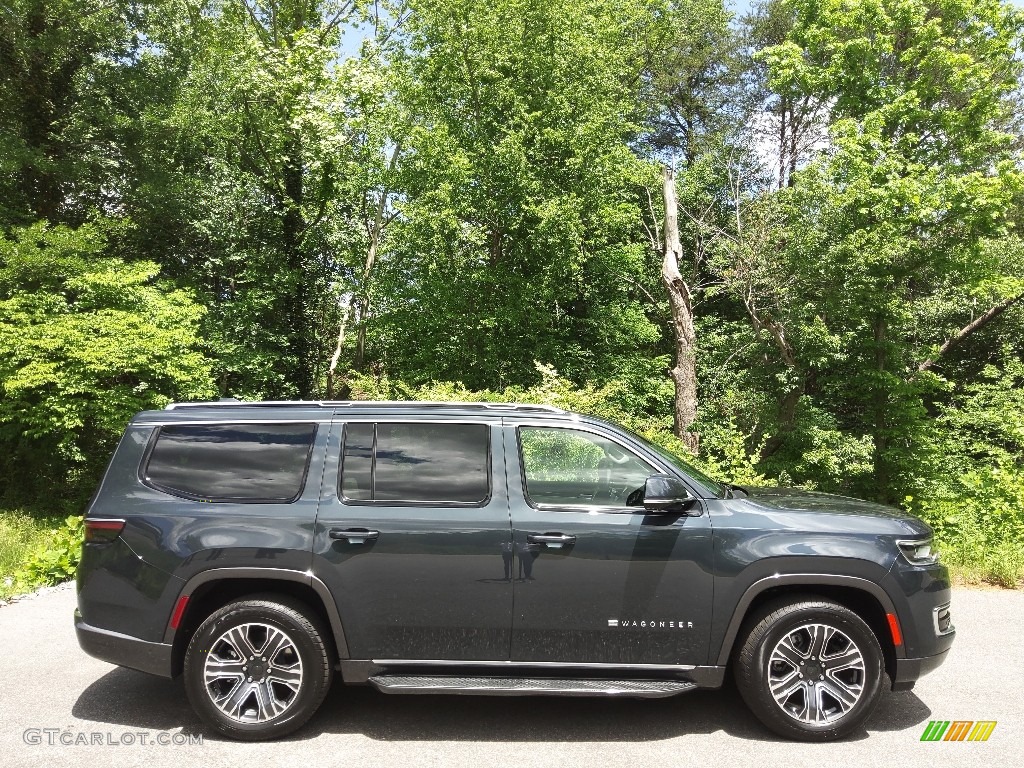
(253, 699)
(777, 664)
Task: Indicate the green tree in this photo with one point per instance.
(519, 230)
(889, 232)
(62, 98)
(85, 342)
(255, 165)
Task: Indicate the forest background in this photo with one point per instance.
(447, 199)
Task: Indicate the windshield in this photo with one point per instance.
(707, 484)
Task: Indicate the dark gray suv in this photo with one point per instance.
(258, 548)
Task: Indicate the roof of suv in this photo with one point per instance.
(319, 409)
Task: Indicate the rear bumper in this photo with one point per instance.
(123, 650)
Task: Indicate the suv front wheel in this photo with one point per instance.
(810, 669)
(258, 668)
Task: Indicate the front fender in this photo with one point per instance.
(727, 622)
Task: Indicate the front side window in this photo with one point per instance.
(231, 462)
(571, 467)
(420, 463)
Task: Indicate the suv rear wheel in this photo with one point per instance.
(258, 668)
(810, 669)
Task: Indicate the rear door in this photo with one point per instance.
(597, 579)
(413, 538)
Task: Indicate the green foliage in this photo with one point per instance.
(85, 342)
(282, 198)
(21, 533)
(519, 230)
(894, 219)
(256, 158)
(63, 105)
(974, 494)
(726, 455)
(57, 560)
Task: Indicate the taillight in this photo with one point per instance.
(102, 531)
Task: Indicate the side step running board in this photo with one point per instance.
(526, 686)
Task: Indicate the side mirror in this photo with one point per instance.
(664, 494)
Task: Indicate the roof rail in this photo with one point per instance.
(233, 403)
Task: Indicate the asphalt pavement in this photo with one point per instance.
(59, 707)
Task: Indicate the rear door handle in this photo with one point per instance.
(553, 540)
(354, 535)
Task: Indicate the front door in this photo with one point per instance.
(413, 539)
(597, 580)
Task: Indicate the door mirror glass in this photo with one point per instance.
(664, 494)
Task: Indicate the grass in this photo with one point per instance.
(1001, 568)
(975, 558)
(21, 534)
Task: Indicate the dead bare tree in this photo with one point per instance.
(684, 372)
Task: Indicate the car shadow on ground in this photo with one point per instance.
(133, 699)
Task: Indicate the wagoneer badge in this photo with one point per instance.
(650, 624)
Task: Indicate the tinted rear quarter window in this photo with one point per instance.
(231, 462)
(419, 463)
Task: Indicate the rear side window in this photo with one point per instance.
(421, 463)
(231, 462)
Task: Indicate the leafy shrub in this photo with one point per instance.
(973, 496)
(86, 341)
(726, 455)
(57, 560)
(20, 533)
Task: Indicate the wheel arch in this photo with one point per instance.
(212, 589)
(865, 598)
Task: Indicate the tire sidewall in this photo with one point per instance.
(311, 689)
(758, 693)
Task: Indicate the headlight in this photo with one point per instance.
(919, 552)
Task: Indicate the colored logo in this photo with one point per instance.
(958, 730)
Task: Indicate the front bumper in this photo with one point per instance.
(909, 670)
(921, 596)
(123, 650)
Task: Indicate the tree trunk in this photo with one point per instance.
(787, 419)
(684, 374)
(300, 325)
(376, 232)
(47, 95)
(783, 109)
(791, 399)
(346, 318)
(880, 427)
(371, 259)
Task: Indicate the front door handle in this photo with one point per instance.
(354, 535)
(553, 540)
